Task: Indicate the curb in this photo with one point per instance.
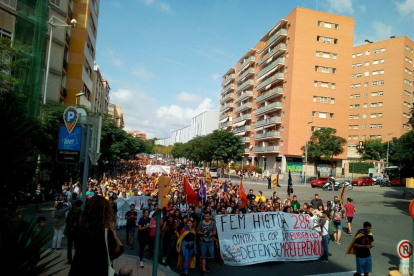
(167, 271)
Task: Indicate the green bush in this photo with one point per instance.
(259, 170)
(360, 167)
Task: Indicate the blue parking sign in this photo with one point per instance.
(69, 145)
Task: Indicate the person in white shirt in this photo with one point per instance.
(324, 225)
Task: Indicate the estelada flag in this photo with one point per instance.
(155, 182)
(360, 233)
(191, 195)
(208, 177)
(342, 193)
(226, 192)
(242, 194)
(275, 181)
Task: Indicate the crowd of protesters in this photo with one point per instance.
(186, 228)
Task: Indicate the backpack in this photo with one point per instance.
(337, 215)
(331, 227)
(72, 222)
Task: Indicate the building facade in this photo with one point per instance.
(139, 134)
(294, 81)
(117, 114)
(100, 92)
(201, 125)
(381, 91)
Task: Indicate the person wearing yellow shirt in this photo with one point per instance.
(260, 196)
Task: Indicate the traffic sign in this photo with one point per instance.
(70, 117)
(411, 208)
(405, 249)
(69, 145)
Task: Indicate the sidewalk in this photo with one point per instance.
(124, 260)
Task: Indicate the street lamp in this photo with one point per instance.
(388, 147)
(77, 96)
(306, 151)
(263, 157)
(60, 24)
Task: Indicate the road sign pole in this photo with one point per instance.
(412, 241)
(86, 165)
(157, 243)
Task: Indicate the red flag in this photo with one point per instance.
(242, 194)
(191, 195)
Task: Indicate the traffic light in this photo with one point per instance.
(164, 186)
(229, 166)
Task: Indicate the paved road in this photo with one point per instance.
(383, 207)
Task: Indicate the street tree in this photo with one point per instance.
(402, 153)
(178, 150)
(373, 150)
(225, 146)
(324, 145)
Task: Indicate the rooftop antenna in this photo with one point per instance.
(317, 4)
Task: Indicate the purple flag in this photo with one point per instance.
(202, 192)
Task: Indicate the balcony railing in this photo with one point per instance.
(272, 65)
(227, 88)
(65, 65)
(244, 96)
(243, 107)
(10, 3)
(247, 61)
(270, 94)
(244, 85)
(67, 38)
(242, 128)
(274, 52)
(270, 80)
(266, 149)
(221, 117)
(268, 107)
(229, 77)
(226, 106)
(70, 12)
(245, 139)
(228, 96)
(271, 120)
(245, 74)
(226, 124)
(244, 117)
(63, 92)
(272, 134)
(246, 151)
(273, 38)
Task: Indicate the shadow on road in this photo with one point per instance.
(401, 203)
(394, 260)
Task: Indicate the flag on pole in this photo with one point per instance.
(342, 193)
(155, 183)
(202, 192)
(275, 180)
(209, 180)
(290, 184)
(190, 194)
(242, 194)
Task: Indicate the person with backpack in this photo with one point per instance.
(338, 215)
(72, 227)
(206, 229)
(324, 225)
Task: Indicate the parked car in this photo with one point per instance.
(213, 173)
(362, 181)
(319, 182)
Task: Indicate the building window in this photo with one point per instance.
(364, 116)
(324, 99)
(350, 117)
(408, 49)
(353, 56)
(55, 2)
(367, 53)
(334, 56)
(313, 113)
(372, 126)
(379, 126)
(365, 105)
(331, 115)
(357, 96)
(366, 63)
(322, 115)
(357, 106)
(332, 100)
(366, 74)
(326, 55)
(363, 137)
(373, 104)
(314, 99)
(365, 84)
(359, 65)
(376, 51)
(324, 84)
(365, 95)
(315, 83)
(358, 75)
(359, 54)
(373, 94)
(356, 116)
(355, 137)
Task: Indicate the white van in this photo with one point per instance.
(213, 173)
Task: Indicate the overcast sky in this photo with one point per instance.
(164, 59)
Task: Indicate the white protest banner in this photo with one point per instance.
(151, 169)
(247, 239)
(138, 200)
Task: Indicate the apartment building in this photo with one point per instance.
(201, 125)
(294, 81)
(82, 49)
(117, 114)
(100, 92)
(137, 133)
(382, 90)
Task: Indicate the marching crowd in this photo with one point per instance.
(187, 228)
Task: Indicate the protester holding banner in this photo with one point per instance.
(324, 225)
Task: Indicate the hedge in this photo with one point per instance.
(360, 167)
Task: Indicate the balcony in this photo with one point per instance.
(226, 115)
(88, 55)
(226, 124)
(268, 108)
(242, 128)
(275, 52)
(275, 78)
(70, 12)
(246, 151)
(228, 78)
(246, 62)
(268, 121)
(266, 149)
(244, 96)
(242, 118)
(277, 91)
(274, 64)
(226, 107)
(228, 88)
(67, 38)
(87, 79)
(282, 33)
(245, 139)
(244, 85)
(227, 97)
(267, 135)
(10, 3)
(91, 34)
(65, 65)
(246, 74)
(243, 107)
(63, 92)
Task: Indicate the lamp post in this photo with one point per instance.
(263, 158)
(306, 152)
(60, 24)
(388, 146)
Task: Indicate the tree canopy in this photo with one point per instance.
(373, 150)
